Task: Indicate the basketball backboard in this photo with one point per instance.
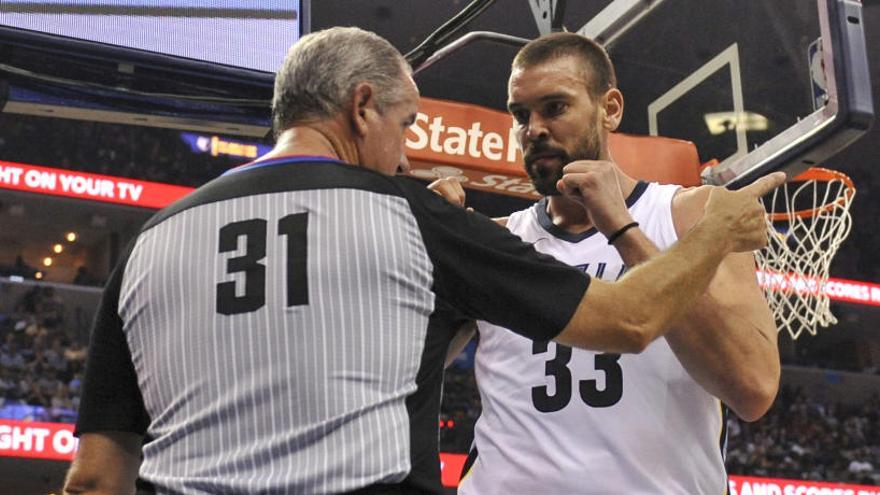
(757, 85)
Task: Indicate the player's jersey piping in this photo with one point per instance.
(547, 224)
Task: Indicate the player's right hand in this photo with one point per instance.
(450, 189)
(740, 215)
(596, 185)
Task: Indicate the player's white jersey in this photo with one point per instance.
(558, 420)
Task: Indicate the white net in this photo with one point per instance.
(808, 219)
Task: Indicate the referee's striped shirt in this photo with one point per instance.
(283, 328)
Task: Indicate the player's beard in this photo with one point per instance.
(545, 177)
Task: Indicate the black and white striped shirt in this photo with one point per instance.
(283, 328)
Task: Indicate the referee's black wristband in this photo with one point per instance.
(613, 237)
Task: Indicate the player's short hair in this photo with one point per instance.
(322, 69)
(597, 65)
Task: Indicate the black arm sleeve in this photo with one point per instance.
(490, 274)
(111, 399)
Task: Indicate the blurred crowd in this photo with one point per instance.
(802, 438)
(41, 363)
(21, 269)
(157, 155)
(18, 269)
(459, 410)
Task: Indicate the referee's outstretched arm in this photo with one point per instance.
(107, 463)
(627, 315)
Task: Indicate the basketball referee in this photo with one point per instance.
(277, 330)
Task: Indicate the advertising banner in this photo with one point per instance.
(35, 440)
(82, 185)
(451, 466)
(837, 289)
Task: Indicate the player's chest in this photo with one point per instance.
(593, 256)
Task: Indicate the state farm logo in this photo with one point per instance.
(502, 183)
(439, 173)
(519, 185)
(434, 135)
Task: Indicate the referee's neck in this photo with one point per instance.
(324, 138)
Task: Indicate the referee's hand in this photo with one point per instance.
(739, 215)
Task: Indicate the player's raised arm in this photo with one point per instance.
(627, 315)
(731, 318)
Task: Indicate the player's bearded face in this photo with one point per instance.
(544, 162)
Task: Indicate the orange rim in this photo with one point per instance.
(819, 174)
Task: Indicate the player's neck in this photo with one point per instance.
(572, 216)
(568, 215)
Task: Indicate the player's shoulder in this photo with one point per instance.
(525, 222)
(692, 197)
(687, 206)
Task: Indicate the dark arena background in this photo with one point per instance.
(101, 126)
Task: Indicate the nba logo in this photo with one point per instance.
(817, 74)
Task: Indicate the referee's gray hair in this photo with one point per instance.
(322, 69)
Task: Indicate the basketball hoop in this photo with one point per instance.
(808, 218)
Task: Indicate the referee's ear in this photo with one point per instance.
(363, 107)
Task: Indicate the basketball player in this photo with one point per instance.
(276, 330)
(562, 420)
